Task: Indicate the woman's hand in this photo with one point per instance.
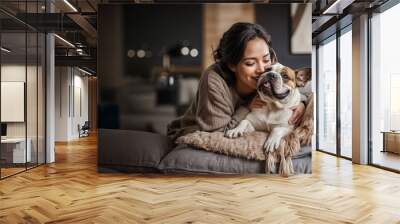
(298, 112)
(256, 102)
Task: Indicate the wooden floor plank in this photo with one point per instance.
(71, 191)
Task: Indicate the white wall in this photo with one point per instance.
(70, 83)
(80, 89)
(62, 81)
(12, 73)
(33, 126)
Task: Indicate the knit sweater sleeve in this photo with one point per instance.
(215, 103)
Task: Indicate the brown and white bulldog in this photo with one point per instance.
(277, 88)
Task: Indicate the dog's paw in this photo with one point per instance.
(234, 133)
(272, 144)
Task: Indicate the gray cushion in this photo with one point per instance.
(187, 160)
(141, 152)
(129, 150)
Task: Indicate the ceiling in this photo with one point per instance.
(76, 20)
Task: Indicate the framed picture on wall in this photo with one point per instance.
(12, 101)
(301, 31)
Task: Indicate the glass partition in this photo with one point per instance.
(22, 88)
(14, 145)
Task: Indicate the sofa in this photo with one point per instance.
(133, 151)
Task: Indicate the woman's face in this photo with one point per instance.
(256, 60)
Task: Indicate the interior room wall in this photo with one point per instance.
(217, 18)
(67, 115)
(79, 116)
(16, 72)
(62, 81)
(92, 96)
(277, 21)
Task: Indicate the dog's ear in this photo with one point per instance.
(291, 76)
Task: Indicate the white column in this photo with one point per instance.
(50, 92)
(360, 90)
(314, 89)
(50, 99)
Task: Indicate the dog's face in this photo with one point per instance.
(278, 84)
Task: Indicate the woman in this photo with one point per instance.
(227, 89)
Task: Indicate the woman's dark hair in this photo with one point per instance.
(233, 43)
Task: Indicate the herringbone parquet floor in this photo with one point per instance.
(71, 191)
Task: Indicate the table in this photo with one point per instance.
(391, 141)
(15, 148)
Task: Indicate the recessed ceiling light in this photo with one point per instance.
(65, 41)
(70, 5)
(84, 71)
(337, 7)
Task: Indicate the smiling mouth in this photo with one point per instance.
(267, 89)
(281, 95)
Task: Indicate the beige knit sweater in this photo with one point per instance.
(216, 107)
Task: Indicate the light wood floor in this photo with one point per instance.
(71, 191)
(10, 171)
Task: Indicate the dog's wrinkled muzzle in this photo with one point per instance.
(271, 84)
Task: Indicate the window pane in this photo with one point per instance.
(385, 84)
(346, 94)
(327, 97)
